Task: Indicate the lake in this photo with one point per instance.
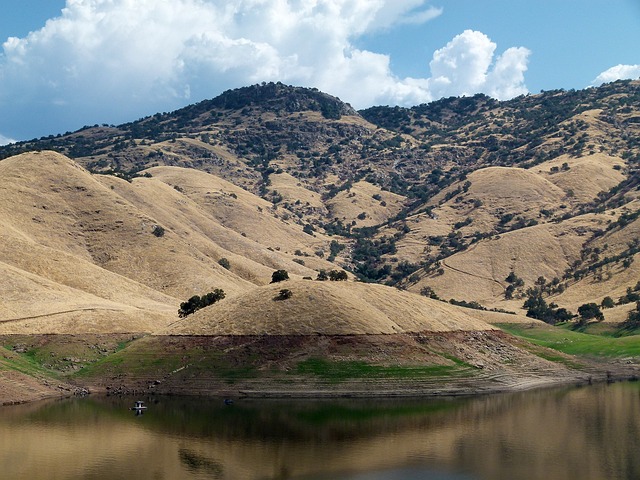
(571, 433)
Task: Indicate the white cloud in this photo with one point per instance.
(115, 60)
(5, 140)
(619, 72)
(465, 66)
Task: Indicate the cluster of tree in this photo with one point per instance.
(197, 302)
(333, 275)
(597, 263)
(538, 308)
(589, 311)
(515, 282)
(632, 295)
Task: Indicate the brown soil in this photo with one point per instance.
(268, 366)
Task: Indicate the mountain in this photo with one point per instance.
(404, 196)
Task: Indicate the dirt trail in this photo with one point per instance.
(64, 312)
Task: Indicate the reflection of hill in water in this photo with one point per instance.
(588, 433)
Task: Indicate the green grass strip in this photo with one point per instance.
(576, 343)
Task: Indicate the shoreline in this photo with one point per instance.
(453, 388)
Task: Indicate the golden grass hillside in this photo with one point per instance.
(487, 198)
(479, 272)
(325, 308)
(584, 177)
(237, 209)
(57, 204)
(270, 244)
(499, 191)
(84, 253)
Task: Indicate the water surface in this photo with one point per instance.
(582, 433)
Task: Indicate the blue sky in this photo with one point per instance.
(114, 61)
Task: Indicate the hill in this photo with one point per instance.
(103, 255)
(338, 308)
(388, 193)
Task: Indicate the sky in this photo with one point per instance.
(67, 64)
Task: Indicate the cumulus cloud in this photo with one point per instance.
(115, 60)
(619, 72)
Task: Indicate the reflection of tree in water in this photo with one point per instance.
(195, 462)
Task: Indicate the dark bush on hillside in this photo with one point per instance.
(279, 276)
(197, 302)
(284, 294)
(607, 302)
(223, 262)
(429, 292)
(158, 231)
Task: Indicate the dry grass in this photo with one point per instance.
(326, 308)
(79, 253)
(586, 177)
(478, 273)
(347, 205)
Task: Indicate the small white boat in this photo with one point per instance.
(139, 406)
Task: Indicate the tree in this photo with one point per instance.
(588, 311)
(428, 291)
(633, 319)
(508, 292)
(514, 280)
(338, 275)
(322, 276)
(197, 302)
(189, 307)
(607, 302)
(224, 263)
(537, 308)
(279, 276)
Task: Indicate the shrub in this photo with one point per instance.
(427, 291)
(607, 302)
(279, 276)
(284, 294)
(158, 231)
(224, 263)
(322, 276)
